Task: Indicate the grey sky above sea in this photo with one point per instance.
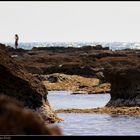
(70, 21)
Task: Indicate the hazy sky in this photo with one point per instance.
(70, 21)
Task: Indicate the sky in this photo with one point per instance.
(70, 21)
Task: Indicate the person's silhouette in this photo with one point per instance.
(16, 41)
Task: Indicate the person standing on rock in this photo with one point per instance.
(16, 41)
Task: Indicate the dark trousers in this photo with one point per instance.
(16, 44)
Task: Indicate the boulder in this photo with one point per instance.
(125, 85)
(16, 120)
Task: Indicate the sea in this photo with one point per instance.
(111, 45)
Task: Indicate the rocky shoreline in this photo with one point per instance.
(16, 82)
(89, 69)
(132, 111)
(120, 68)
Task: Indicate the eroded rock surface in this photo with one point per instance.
(120, 68)
(17, 120)
(16, 82)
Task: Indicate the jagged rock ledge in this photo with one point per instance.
(74, 83)
(125, 85)
(134, 111)
(119, 68)
(16, 82)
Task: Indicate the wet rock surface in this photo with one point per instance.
(133, 111)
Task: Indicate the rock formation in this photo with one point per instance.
(17, 120)
(16, 82)
(123, 73)
(125, 86)
(120, 68)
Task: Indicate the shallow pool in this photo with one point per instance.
(91, 123)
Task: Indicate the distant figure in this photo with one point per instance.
(16, 41)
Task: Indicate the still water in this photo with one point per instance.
(91, 123)
(64, 99)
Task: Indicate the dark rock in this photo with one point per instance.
(16, 82)
(16, 120)
(119, 67)
(83, 86)
(125, 86)
(52, 79)
(100, 76)
(97, 47)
